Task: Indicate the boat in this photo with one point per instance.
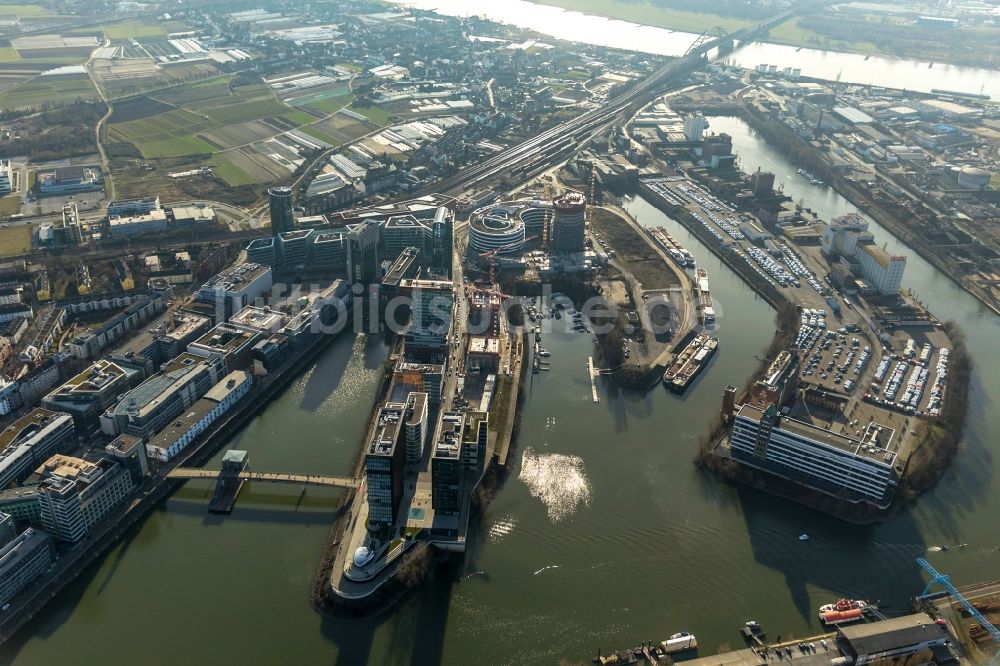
(682, 641)
(707, 307)
(690, 362)
(803, 537)
(681, 256)
(841, 617)
(544, 352)
(844, 605)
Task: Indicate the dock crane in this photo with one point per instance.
(938, 578)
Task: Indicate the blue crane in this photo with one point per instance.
(938, 578)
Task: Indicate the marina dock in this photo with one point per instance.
(593, 378)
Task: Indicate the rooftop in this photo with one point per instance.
(237, 277)
(449, 443)
(390, 422)
(26, 427)
(876, 444)
(876, 637)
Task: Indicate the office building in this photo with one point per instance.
(294, 249)
(279, 201)
(417, 378)
(569, 224)
(446, 465)
(30, 440)
(7, 529)
(416, 426)
(363, 252)
(6, 181)
(23, 560)
(232, 343)
(129, 452)
(404, 267)
(87, 395)
(402, 231)
(431, 307)
(851, 469)
(264, 251)
(183, 430)
(442, 242)
(384, 461)
(68, 179)
(21, 503)
(475, 437)
(76, 494)
(328, 252)
(128, 207)
(882, 271)
(146, 409)
(234, 288)
(133, 225)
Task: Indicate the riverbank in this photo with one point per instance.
(154, 493)
(811, 160)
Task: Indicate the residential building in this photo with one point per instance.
(31, 439)
(174, 438)
(10, 397)
(852, 469)
(93, 341)
(475, 435)
(76, 494)
(23, 560)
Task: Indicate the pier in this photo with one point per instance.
(593, 375)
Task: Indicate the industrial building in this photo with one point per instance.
(848, 237)
(839, 465)
(881, 642)
(75, 494)
(183, 430)
(883, 271)
(30, 440)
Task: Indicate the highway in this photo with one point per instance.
(563, 139)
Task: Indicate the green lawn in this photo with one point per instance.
(25, 11)
(14, 240)
(176, 147)
(645, 13)
(229, 172)
(330, 104)
(372, 113)
(41, 89)
(8, 54)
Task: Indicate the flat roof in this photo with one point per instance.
(226, 386)
(224, 338)
(26, 425)
(860, 448)
(386, 435)
(449, 443)
(876, 637)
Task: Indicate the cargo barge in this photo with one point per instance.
(707, 307)
(681, 256)
(648, 653)
(690, 362)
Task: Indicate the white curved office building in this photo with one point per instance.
(498, 227)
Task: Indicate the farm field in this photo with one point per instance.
(339, 129)
(48, 89)
(132, 76)
(242, 115)
(136, 29)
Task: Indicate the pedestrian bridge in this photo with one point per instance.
(267, 477)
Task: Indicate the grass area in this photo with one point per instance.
(136, 29)
(793, 34)
(52, 89)
(195, 92)
(645, 13)
(8, 54)
(14, 240)
(501, 406)
(25, 10)
(372, 113)
(995, 182)
(229, 172)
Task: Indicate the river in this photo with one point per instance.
(814, 63)
(605, 534)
